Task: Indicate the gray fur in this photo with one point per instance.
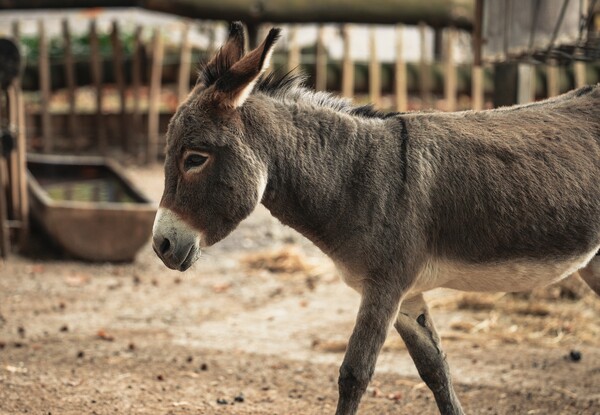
(385, 196)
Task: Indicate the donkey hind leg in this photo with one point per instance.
(377, 310)
(416, 328)
(591, 273)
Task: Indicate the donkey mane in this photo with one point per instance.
(290, 87)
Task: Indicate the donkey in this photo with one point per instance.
(499, 200)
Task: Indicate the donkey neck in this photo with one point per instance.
(323, 178)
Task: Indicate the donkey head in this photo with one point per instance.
(213, 177)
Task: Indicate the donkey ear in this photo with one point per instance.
(231, 52)
(233, 88)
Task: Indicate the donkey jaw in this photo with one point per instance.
(173, 241)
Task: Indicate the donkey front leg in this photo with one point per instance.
(377, 310)
(416, 328)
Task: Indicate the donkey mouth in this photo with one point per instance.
(190, 258)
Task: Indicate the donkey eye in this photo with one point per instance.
(194, 160)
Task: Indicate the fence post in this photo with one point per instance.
(401, 90)
(71, 82)
(154, 97)
(321, 61)
(119, 73)
(294, 56)
(136, 81)
(96, 71)
(347, 64)
(185, 64)
(374, 70)
(424, 68)
(44, 68)
(552, 78)
(477, 92)
(450, 71)
(21, 151)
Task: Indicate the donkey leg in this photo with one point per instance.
(377, 310)
(591, 273)
(416, 329)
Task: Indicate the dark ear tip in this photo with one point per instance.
(236, 28)
(272, 37)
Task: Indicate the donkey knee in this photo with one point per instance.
(353, 381)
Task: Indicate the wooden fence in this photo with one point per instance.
(137, 133)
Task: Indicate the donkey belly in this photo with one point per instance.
(509, 276)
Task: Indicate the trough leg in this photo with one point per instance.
(377, 310)
(416, 328)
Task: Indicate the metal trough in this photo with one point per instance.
(88, 206)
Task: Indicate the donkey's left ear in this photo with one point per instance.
(233, 88)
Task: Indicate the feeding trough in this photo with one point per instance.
(88, 206)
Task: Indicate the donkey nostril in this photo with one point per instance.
(164, 246)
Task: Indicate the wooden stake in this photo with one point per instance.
(450, 71)
(119, 74)
(71, 83)
(321, 61)
(154, 97)
(185, 64)
(401, 89)
(96, 70)
(21, 151)
(294, 49)
(347, 64)
(374, 71)
(424, 69)
(552, 78)
(477, 90)
(44, 68)
(136, 73)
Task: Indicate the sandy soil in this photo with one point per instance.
(258, 326)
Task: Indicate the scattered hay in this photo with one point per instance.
(284, 261)
(330, 346)
(478, 301)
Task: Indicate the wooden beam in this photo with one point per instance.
(347, 64)
(44, 74)
(154, 97)
(400, 82)
(71, 83)
(424, 68)
(374, 70)
(294, 56)
(96, 71)
(136, 80)
(119, 73)
(449, 70)
(321, 61)
(185, 64)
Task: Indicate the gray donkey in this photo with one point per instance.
(501, 200)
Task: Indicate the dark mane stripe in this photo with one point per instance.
(291, 86)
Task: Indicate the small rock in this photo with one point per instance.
(239, 398)
(160, 378)
(131, 346)
(189, 359)
(575, 355)
(21, 331)
(64, 328)
(204, 367)
(80, 354)
(222, 401)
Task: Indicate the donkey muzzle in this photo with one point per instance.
(175, 243)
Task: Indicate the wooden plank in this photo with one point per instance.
(71, 84)
(449, 70)
(424, 68)
(154, 97)
(119, 73)
(44, 76)
(96, 71)
(21, 151)
(400, 85)
(552, 78)
(293, 49)
(374, 70)
(321, 61)
(136, 81)
(4, 230)
(347, 64)
(185, 64)
(477, 90)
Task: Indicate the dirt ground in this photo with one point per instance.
(258, 326)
